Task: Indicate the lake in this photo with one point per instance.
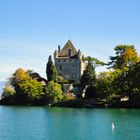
(45, 123)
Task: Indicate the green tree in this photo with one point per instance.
(8, 91)
(132, 82)
(31, 88)
(54, 92)
(105, 83)
(126, 56)
(94, 60)
(51, 71)
(88, 77)
(88, 81)
(133, 76)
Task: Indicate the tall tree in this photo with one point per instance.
(88, 77)
(133, 76)
(133, 82)
(51, 71)
(126, 56)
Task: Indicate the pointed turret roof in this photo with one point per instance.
(69, 45)
(65, 50)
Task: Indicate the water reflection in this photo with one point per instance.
(113, 128)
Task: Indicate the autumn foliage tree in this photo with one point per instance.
(25, 86)
(125, 57)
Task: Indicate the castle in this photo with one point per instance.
(69, 63)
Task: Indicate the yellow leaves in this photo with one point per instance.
(130, 55)
(126, 56)
(20, 75)
(24, 84)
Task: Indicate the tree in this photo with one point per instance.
(94, 60)
(133, 76)
(37, 77)
(31, 88)
(88, 80)
(88, 77)
(104, 84)
(17, 78)
(25, 86)
(54, 92)
(51, 70)
(126, 56)
(132, 82)
(8, 91)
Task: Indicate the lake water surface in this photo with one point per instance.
(44, 123)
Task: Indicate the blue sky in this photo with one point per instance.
(30, 30)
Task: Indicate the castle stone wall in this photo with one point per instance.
(68, 68)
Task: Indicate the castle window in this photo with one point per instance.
(58, 60)
(74, 75)
(60, 68)
(64, 60)
(74, 67)
(69, 52)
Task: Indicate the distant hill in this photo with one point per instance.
(2, 83)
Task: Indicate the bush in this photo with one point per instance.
(54, 92)
(8, 91)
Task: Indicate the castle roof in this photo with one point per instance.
(68, 46)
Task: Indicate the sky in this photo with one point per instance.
(30, 30)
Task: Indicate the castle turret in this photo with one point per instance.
(59, 48)
(79, 54)
(55, 54)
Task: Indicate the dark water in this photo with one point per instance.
(43, 123)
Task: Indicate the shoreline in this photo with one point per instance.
(68, 106)
(71, 107)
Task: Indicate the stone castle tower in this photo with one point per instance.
(68, 62)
